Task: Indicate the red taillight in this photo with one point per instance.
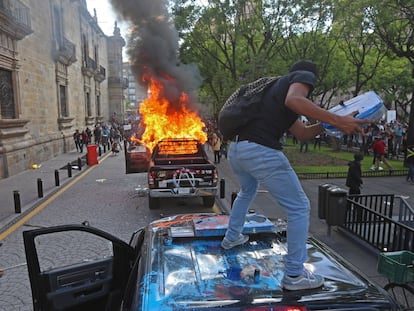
(151, 179)
(277, 308)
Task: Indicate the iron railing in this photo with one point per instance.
(102, 71)
(90, 63)
(379, 221)
(66, 51)
(405, 213)
(327, 175)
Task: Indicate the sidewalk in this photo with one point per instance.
(27, 184)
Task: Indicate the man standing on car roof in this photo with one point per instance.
(256, 158)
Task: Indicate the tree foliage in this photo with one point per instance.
(394, 24)
(358, 45)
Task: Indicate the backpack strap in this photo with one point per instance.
(250, 89)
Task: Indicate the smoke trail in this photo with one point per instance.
(153, 46)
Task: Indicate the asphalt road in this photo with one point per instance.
(107, 199)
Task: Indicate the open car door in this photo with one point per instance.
(137, 157)
(76, 267)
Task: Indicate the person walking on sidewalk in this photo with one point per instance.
(409, 163)
(379, 148)
(97, 133)
(117, 139)
(216, 144)
(353, 178)
(81, 141)
(89, 132)
(256, 157)
(374, 154)
(85, 138)
(77, 138)
(317, 142)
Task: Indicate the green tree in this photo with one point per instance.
(394, 24)
(394, 80)
(363, 50)
(311, 36)
(234, 42)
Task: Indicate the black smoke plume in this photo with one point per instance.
(153, 47)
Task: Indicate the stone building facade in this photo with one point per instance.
(58, 72)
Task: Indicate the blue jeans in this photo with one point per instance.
(255, 164)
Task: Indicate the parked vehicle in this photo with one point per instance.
(177, 168)
(176, 263)
(137, 157)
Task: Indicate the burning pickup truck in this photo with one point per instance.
(178, 168)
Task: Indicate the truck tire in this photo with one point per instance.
(209, 201)
(153, 203)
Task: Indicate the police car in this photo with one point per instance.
(177, 263)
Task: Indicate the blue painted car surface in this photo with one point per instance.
(183, 267)
(177, 263)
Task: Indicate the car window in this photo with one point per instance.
(137, 148)
(63, 249)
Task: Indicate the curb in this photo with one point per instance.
(8, 222)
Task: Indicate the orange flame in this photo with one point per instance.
(162, 120)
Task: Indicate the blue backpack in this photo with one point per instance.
(242, 107)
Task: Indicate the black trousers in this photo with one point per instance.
(355, 190)
(217, 156)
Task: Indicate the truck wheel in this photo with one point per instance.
(209, 201)
(153, 203)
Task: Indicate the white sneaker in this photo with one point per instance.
(307, 280)
(227, 244)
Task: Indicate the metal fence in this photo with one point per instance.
(384, 221)
(325, 175)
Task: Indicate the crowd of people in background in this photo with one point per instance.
(382, 141)
(393, 134)
(108, 136)
(82, 139)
